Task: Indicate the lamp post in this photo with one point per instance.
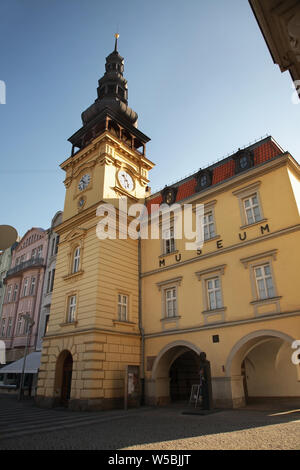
(29, 324)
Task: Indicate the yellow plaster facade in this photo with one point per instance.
(237, 299)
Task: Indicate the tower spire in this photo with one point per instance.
(116, 42)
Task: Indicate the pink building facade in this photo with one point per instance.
(23, 293)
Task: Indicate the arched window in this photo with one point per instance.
(76, 260)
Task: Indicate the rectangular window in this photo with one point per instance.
(39, 251)
(264, 282)
(25, 287)
(27, 325)
(53, 247)
(123, 307)
(52, 279)
(8, 297)
(252, 209)
(171, 300)
(76, 260)
(9, 328)
(214, 295)
(56, 244)
(71, 309)
(169, 241)
(32, 286)
(49, 281)
(15, 295)
(19, 324)
(209, 226)
(33, 253)
(3, 327)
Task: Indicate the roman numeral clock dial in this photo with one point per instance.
(84, 182)
(125, 180)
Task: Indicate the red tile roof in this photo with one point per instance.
(221, 172)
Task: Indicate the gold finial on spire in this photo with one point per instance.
(116, 41)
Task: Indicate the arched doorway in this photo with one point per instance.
(262, 360)
(183, 373)
(175, 370)
(63, 378)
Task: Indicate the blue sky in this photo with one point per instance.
(199, 74)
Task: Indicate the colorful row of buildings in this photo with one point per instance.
(27, 272)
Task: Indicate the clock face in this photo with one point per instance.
(125, 180)
(84, 182)
(169, 197)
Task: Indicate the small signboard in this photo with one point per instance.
(132, 390)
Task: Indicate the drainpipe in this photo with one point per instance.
(142, 376)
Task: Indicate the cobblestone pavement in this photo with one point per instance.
(24, 426)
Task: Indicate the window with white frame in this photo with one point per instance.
(27, 325)
(208, 225)
(264, 281)
(71, 309)
(123, 307)
(25, 287)
(50, 280)
(252, 209)
(9, 328)
(171, 302)
(214, 293)
(32, 286)
(168, 240)
(76, 260)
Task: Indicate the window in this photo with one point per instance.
(25, 287)
(209, 225)
(15, 294)
(33, 253)
(50, 280)
(32, 286)
(27, 325)
(71, 309)
(264, 282)
(171, 302)
(46, 324)
(250, 204)
(17, 261)
(56, 244)
(3, 327)
(123, 307)
(9, 327)
(169, 241)
(76, 260)
(252, 209)
(214, 295)
(19, 324)
(39, 251)
(8, 293)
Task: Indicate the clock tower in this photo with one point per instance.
(93, 331)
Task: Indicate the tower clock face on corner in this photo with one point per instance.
(84, 182)
(125, 180)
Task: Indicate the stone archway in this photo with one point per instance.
(63, 377)
(169, 379)
(259, 369)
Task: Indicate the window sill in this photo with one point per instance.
(214, 311)
(73, 275)
(70, 323)
(266, 301)
(170, 319)
(216, 237)
(163, 255)
(253, 224)
(124, 322)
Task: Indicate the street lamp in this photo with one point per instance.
(29, 324)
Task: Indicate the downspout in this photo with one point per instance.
(142, 375)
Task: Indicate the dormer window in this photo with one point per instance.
(204, 180)
(244, 160)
